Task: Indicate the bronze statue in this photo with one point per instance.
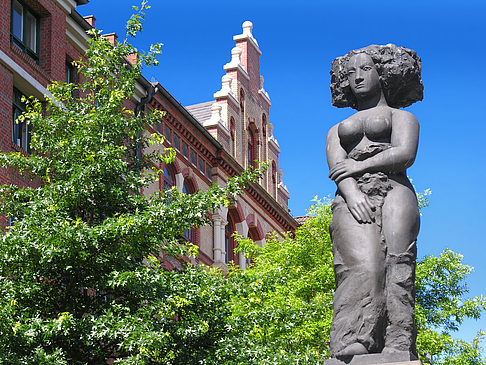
(375, 219)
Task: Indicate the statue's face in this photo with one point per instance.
(362, 75)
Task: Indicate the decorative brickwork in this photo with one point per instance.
(209, 148)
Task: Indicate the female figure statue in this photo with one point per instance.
(375, 219)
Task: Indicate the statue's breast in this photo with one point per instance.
(377, 128)
(374, 127)
(350, 130)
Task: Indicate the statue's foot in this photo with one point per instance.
(353, 349)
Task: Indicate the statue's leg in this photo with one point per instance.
(359, 316)
(401, 222)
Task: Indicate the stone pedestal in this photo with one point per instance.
(398, 358)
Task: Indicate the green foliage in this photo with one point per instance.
(441, 308)
(282, 308)
(78, 280)
(282, 305)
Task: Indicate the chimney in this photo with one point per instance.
(112, 37)
(132, 58)
(90, 19)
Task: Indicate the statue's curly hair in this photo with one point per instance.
(399, 70)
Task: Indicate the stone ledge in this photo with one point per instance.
(400, 358)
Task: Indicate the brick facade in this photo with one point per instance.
(207, 152)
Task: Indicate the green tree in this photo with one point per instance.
(441, 307)
(282, 307)
(79, 277)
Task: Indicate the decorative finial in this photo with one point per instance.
(247, 28)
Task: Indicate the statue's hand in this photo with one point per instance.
(361, 207)
(344, 169)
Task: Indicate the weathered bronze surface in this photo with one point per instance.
(375, 212)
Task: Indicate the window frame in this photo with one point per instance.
(229, 241)
(252, 151)
(22, 43)
(190, 234)
(169, 177)
(18, 128)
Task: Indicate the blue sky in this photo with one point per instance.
(299, 42)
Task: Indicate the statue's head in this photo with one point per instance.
(398, 70)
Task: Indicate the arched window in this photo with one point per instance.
(252, 156)
(242, 101)
(264, 125)
(229, 241)
(233, 135)
(274, 177)
(190, 234)
(169, 177)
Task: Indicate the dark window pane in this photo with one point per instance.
(201, 164)
(177, 142)
(185, 149)
(21, 132)
(193, 157)
(30, 32)
(208, 171)
(168, 133)
(17, 23)
(69, 73)
(169, 178)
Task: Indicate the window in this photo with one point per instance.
(169, 177)
(185, 149)
(190, 234)
(274, 178)
(264, 125)
(251, 149)
(70, 73)
(208, 171)
(193, 157)
(201, 164)
(168, 133)
(233, 135)
(229, 241)
(25, 29)
(177, 142)
(21, 131)
(242, 101)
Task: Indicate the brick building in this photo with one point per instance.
(214, 140)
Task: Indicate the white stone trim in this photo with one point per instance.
(242, 229)
(76, 35)
(179, 181)
(265, 96)
(216, 121)
(263, 93)
(235, 63)
(282, 188)
(247, 34)
(273, 143)
(226, 92)
(239, 68)
(24, 76)
(66, 5)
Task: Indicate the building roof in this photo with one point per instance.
(302, 219)
(201, 111)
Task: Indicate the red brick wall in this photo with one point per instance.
(51, 66)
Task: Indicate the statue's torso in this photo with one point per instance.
(366, 128)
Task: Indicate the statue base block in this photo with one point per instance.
(397, 358)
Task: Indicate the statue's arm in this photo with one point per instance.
(358, 203)
(397, 158)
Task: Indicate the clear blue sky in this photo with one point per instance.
(299, 42)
